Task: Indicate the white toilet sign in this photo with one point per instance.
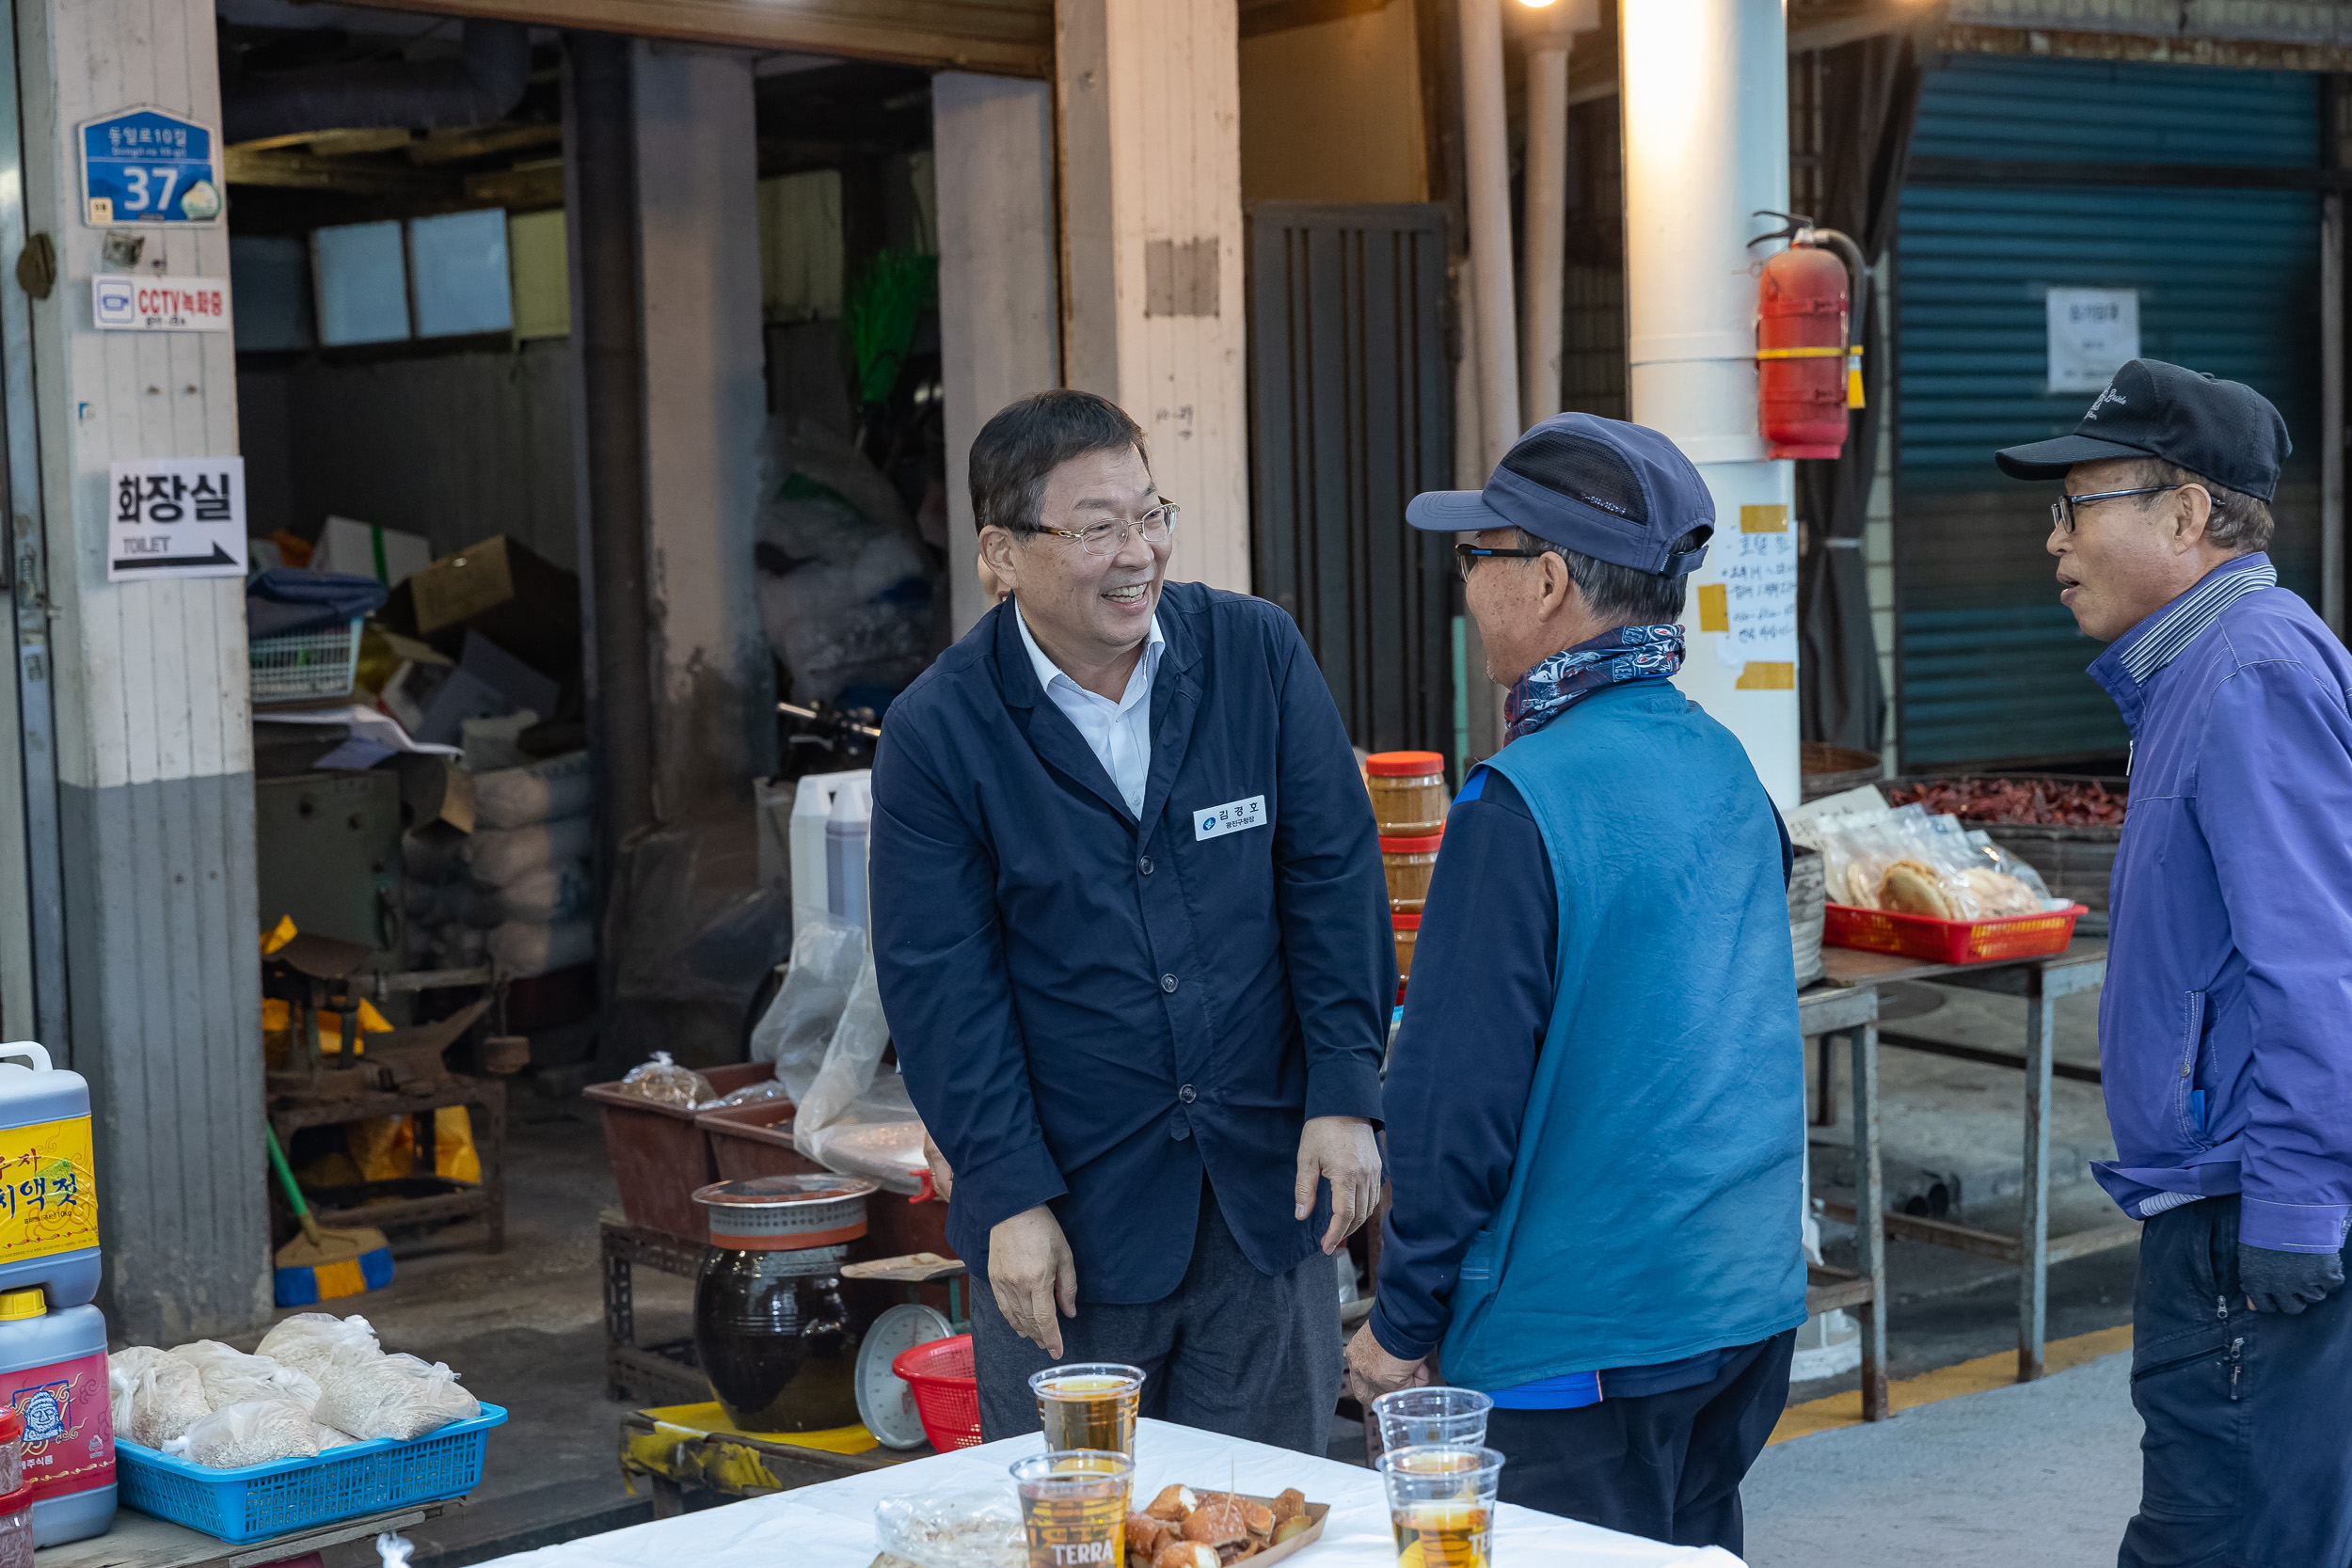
(2092, 332)
(174, 517)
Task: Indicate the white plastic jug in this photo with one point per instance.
(812, 809)
(48, 1181)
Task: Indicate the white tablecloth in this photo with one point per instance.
(832, 1525)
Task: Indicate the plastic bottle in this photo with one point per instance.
(812, 809)
(846, 834)
(53, 1372)
(48, 1191)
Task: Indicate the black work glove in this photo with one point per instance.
(2287, 1281)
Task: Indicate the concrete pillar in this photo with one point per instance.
(153, 736)
(1152, 282)
(1706, 86)
(705, 405)
(999, 276)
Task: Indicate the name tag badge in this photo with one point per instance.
(1238, 817)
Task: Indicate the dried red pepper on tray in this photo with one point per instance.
(2038, 802)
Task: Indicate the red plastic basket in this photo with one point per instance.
(946, 1395)
(1950, 942)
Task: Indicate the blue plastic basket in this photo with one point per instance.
(262, 1500)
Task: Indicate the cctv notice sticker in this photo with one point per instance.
(1233, 817)
(174, 517)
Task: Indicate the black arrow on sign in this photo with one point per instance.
(218, 558)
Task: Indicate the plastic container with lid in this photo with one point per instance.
(1408, 796)
(53, 1376)
(1409, 864)
(17, 1530)
(48, 1191)
(776, 1327)
(812, 809)
(1408, 932)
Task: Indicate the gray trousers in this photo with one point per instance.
(1234, 1351)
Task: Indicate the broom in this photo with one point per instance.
(321, 1264)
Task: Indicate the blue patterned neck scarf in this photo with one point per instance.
(1573, 674)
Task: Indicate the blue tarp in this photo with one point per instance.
(289, 600)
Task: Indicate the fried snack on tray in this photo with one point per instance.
(1184, 1528)
(1147, 1535)
(1182, 1554)
(1173, 1503)
(1913, 887)
(1290, 1505)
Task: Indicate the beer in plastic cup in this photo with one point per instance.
(1441, 1504)
(1088, 1405)
(1074, 1508)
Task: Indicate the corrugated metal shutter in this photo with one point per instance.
(1351, 415)
(1990, 664)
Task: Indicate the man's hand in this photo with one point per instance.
(1030, 1272)
(943, 1173)
(2287, 1281)
(1371, 1371)
(1341, 1150)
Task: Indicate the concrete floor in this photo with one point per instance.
(2048, 1470)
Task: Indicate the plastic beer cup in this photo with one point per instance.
(1441, 1504)
(1088, 1405)
(1074, 1508)
(1417, 1418)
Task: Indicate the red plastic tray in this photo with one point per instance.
(1950, 942)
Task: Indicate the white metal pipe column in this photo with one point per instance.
(1545, 240)
(1705, 106)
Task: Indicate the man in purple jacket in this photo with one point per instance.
(2225, 1029)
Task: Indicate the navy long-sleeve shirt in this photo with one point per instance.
(1476, 1012)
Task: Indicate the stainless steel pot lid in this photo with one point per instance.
(769, 1212)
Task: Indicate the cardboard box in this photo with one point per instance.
(363, 550)
(527, 605)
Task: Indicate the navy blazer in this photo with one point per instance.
(1091, 1010)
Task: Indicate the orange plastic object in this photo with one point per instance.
(1950, 942)
(946, 1394)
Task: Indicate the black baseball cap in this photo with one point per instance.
(2218, 430)
(1616, 492)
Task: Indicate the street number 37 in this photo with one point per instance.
(142, 183)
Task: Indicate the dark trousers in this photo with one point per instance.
(1663, 1465)
(2247, 1461)
(1234, 1351)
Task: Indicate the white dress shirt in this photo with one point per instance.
(1119, 732)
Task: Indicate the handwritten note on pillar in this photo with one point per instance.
(1755, 607)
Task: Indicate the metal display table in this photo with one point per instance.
(1826, 1012)
(670, 1370)
(138, 1541)
(2083, 966)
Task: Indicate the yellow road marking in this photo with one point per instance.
(1968, 1377)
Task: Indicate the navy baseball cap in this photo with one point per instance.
(2218, 430)
(1616, 492)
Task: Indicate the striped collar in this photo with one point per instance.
(2161, 637)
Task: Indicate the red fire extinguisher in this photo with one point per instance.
(1808, 351)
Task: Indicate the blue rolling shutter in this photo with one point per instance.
(1990, 665)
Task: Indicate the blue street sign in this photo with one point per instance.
(145, 165)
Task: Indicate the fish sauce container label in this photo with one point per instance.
(48, 1202)
(69, 1429)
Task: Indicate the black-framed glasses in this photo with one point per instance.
(1466, 556)
(2062, 509)
(1156, 525)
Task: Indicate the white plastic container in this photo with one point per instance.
(48, 1186)
(53, 1370)
(847, 836)
(812, 809)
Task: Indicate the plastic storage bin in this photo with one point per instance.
(52, 1374)
(259, 1501)
(48, 1187)
(1950, 942)
(661, 1154)
(308, 664)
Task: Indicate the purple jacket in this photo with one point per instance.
(2225, 1027)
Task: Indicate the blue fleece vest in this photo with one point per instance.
(1653, 1210)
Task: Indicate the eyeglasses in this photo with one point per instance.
(1156, 525)
(2062, 509)
(1466, 556)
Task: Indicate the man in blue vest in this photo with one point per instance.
(2225, 1026)
(1132, 938)
(1596, 1102)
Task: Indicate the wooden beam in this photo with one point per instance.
(537, 185)
(308, 172)
(1006, 38)
(1275, 16)
(452, 147)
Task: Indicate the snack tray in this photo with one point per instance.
(255, 1501)
(1950, 942)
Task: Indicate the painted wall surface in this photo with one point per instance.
(1332, 112)
(999, 303)
(1152, 231)
(705, 405)
(154, 744)
(346, 440)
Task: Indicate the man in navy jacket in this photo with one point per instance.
(2225, 1026)
(1132, 936)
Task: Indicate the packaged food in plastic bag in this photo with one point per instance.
(329, 1438)
(392, 1396)
(258, 1432)
(155, 1396)
(314, 1342)
(968, 1529)
(753, 1094)
(665, 1083)
(233, 1377)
